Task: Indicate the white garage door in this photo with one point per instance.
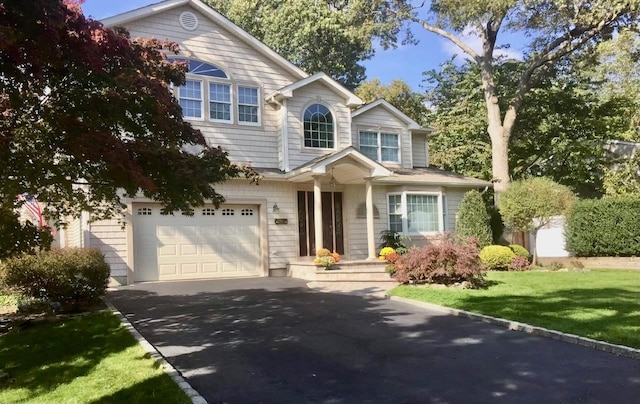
(214, 243)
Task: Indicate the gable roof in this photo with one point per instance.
(320, 165)
(413, 125)
(207, 11)
(352, 100)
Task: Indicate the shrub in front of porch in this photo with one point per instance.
(446, 263)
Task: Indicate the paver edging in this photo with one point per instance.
(530, 329)
(195, 397)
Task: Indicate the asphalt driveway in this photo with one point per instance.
(273, 340)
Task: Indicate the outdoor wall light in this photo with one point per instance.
(276, 209)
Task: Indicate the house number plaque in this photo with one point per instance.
(282, 221)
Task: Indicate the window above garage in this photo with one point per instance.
(209, 94)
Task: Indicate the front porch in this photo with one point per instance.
(344, 271)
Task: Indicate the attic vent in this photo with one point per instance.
(189, 21)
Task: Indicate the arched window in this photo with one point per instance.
(202, 68)
(214, 88)
(318, 127)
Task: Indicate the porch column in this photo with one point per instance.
(317, 212)
(371, 236)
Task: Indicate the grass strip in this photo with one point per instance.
(91, 359)
(599, 304)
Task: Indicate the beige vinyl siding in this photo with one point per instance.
(419, 148)
(454, 197)
(379, 119)
(302, 98)
(110, 237)
(73, 233)
(257, 145)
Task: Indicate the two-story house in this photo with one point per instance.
(335, 172)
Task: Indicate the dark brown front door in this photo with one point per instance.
(331, 222)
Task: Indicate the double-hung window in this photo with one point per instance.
(190, 98)
(416, 213)
(380, 146)
(248, 105)
(220, 102)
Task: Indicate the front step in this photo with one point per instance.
(345, 271)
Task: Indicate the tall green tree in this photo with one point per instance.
(87, 117)
(332, 36)
(615, 67)
(623, 178)
(399, 94)
(552, 30)
(563, 127)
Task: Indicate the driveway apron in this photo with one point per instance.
(273, 340)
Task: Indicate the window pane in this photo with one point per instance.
(191, 89)
(247, 96)
(422, 213)
(190, 98)
(220, 92)
(220, 101)
(389, 140)
(371, 152)
(368, 139)
(191, 108)
(389, 145)
(395, 213)
(389, 154)
(220, 111)
(247, 114)
(318, 127)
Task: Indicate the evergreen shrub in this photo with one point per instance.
(70, 276)
(496, 257)
(520, 251)
(608, 227)
(473, 220)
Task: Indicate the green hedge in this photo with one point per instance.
(69, 276)
(608, 227)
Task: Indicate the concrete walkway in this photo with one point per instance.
(277, 340)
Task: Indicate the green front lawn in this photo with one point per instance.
(92, 359)
(600, 304)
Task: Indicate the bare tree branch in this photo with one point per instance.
(456, 41)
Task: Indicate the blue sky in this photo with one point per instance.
(405, 62)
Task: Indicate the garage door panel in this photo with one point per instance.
(229, 267)
(189, 268)
(167, 251)
(188, 250)
(210, 268)
(213, 243)
(166, 231)
(168, 269)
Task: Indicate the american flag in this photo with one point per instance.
(33, 207)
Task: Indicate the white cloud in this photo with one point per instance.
(473, 40)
